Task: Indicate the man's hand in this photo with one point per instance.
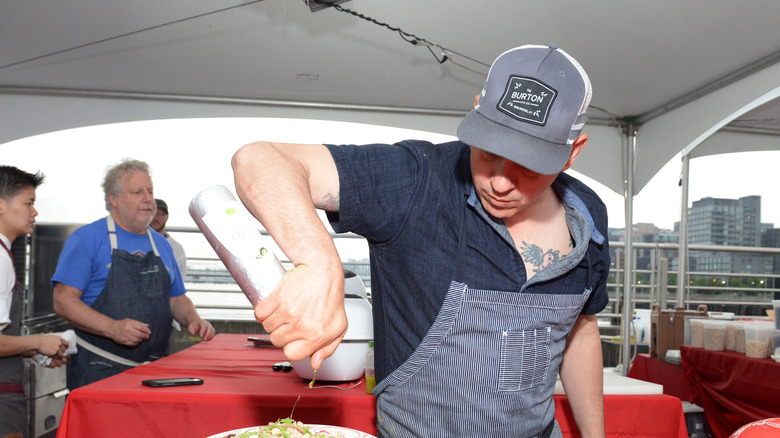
(51, 345)
(305, 314)
(54, 347)
(202, 328)
(129, 332)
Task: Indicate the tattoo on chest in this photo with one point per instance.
(539, 258)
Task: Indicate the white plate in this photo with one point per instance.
(343, 432)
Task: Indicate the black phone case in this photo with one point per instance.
(178, 381)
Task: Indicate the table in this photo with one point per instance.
(240, 389)
(669, 375)
(732, 389)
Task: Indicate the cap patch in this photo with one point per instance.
(527, 99)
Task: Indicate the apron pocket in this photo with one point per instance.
(525, 359)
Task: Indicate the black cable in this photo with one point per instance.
(127, 34)
(406, 36)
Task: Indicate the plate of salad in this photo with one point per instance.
(290, 428)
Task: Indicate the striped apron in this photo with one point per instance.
(487, 367)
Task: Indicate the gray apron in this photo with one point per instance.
(137, 288)
(13, 407)
(487, 366)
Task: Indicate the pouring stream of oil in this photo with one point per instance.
(313, 378)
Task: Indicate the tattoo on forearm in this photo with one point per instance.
(538, 257)
(329, 203)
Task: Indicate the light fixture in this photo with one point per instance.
(316, 5)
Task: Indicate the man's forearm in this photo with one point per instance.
(183, 310)
(69, 306)
(281, 184)
(582, 376)
(275, 185)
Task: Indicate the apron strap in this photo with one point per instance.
(13, 264)
(112, 235)
(105, 354)
(17, 286)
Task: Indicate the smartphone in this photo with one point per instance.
(178, 381)
(260, 342)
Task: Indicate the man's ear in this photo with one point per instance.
(476, 101)
(111, 200)
(577, 147)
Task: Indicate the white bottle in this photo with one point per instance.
(237, 242)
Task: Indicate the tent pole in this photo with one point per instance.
(628, 257)
(682, 273)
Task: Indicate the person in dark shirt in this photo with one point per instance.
(488, 263)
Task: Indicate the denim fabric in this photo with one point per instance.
(487, 367)
(138, 287)
(407, 199)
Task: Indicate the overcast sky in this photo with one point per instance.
(187, 156)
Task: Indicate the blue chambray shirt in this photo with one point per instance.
(412, 201)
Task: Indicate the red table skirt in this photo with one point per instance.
(732, 389)
(669, 375)
(240, 390)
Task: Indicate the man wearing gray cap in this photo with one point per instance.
(488, 264)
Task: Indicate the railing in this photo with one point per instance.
(744, 293)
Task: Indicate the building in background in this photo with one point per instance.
(727, 222)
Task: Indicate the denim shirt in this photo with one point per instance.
(409, 200)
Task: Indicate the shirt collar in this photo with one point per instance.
(567, 196)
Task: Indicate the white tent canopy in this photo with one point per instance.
(673, 70)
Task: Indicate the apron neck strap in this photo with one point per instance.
(112, 235)
(13, 264)
(9, 253)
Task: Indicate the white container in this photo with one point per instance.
(237, 241)
(757, 340)
(697, 333)
(642, 326)
(731, 336)
(714, 335)
(739, 337)
(349, 360)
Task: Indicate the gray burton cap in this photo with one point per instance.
(531, 109)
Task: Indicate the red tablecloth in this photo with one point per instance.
(240, 389)
(669, 375)
(732, 389)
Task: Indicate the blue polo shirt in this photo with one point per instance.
(413, 201)
(85, 259)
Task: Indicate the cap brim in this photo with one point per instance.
(537, 155)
